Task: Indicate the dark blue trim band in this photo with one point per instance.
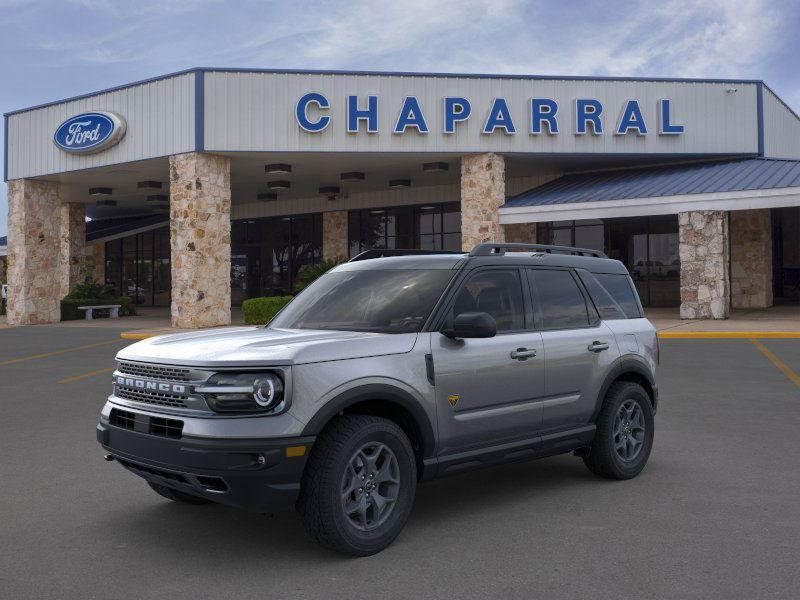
(384, 74)
(760, 117)
(199, 110)
(5, 148)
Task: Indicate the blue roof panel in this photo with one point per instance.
(671, 180)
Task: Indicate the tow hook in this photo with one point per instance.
(109, 457)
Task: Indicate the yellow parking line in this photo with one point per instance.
(85, 375)
(781, 366)
(735, 335)
(54, 353)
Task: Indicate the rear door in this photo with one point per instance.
(578, 348)
(489, 390)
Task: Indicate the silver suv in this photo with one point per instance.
(393, 368)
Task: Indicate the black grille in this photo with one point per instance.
(154, 371)
(150, 397)
(122, 418)
(145, 470)
(171, 428)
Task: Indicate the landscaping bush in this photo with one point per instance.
(259, 311)
(70, 312)
(310, 273)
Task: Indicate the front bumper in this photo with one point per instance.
(257, 475)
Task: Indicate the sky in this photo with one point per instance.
(56, 49)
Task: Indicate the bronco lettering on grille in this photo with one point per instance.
(155, 386)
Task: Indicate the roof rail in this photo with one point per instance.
(387, 252)
(489, 249)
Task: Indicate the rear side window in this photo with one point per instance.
(497, 292)
(560, 300)
(605, 304)
(620, 289)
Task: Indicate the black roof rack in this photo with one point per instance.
(489, 249)
(386, 252)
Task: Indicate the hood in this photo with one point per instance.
(257, 346)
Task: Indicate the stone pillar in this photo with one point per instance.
(703, 247)
(334, 235)
(96, 257)
(483, 191)
(751, 258)
(33, 252)
(521, 233)
(72, 246)
(200, 239)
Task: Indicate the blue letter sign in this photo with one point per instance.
(631, 118)
(665, 127)
(499, 117)
(588, 111)
(301, 112)
(455, 110)
(90, 132)
(354, 114)
(410, 116)
(543, 110)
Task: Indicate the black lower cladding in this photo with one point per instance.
(252, 474)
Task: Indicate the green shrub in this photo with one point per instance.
(70, 312)
(309, 273)
(259, 311)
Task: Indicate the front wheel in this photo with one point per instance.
(358, 486)
(624, 435)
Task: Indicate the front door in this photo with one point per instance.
(488, 390)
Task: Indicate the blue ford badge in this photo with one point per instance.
(90, 132)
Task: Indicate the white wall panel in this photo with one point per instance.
(160, 122)
(781, 128)
(255, 111)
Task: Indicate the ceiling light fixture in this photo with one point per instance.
(106, 203)
(278, 168)
(279, 185)
(352, 176)
(435, 167)
(100, 191)
(158, 198)
(399, 183)
(329, 189)
(149, 185)
(267, 196)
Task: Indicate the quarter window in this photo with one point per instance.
(560, 300)
(497, 292)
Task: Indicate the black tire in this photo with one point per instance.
(320, 504)
(177, 496)
(603, 457)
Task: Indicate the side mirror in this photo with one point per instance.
(472, 325)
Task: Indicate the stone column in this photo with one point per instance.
(483, 191)
(33, 252)
(703, 247)
(521, 233)
(200, 239)
(334, 235)
(96, 256)
(751, 258)
(72, 242)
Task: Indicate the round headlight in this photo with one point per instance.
(242, 392)
(266, 392)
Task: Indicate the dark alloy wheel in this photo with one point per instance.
(624, 436)
(358, 486)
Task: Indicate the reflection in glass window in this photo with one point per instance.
(560, 301)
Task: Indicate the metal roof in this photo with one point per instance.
(671, 180)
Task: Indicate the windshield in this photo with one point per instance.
(385, 301)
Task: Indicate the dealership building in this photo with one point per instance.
(210, 186)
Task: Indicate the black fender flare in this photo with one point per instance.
(376, 391)
(627, 364)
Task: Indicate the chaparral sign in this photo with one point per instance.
(90, 132)
(588, 116)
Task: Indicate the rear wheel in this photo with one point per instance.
(624, 435)
(359, 484)
(177, 496)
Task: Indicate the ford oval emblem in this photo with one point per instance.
(90, 132)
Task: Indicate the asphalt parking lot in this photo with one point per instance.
(716, 513)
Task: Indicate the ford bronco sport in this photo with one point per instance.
(393, 368)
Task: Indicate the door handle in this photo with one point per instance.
(523, 354)
(598, 346)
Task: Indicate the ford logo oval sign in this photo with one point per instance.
(90, 132)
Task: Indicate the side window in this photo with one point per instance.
(621, 290)
(560, 300)
(497, 292)
(605, 304)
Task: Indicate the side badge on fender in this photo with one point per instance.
(453, 399)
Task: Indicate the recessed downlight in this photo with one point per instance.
(278, 168)
(149, 185)
(100, 191)
(399, 183)
(265, 196)
(352, 176)
(435, 167)
(329, 189)
(279, 185)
